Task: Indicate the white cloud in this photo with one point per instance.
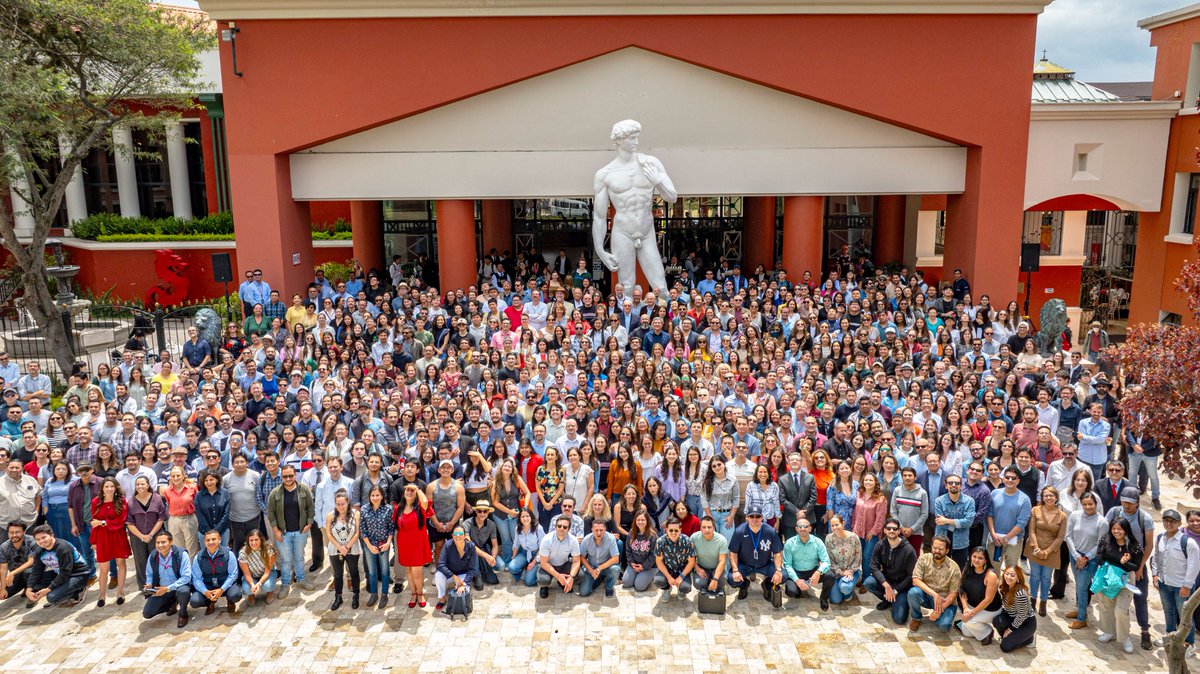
(1099, 39)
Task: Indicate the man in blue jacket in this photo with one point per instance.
(169, 580)
(214, 575)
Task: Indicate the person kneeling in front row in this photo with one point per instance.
(755, 550)
(59, 572)
(675, 557)
(559, 559)
(892, 563)
(601, 560)
(168, 580)
(806, 563)
(936, 580)
(214, 575)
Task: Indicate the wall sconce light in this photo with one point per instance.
(230, 35)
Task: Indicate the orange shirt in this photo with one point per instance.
(181, 503)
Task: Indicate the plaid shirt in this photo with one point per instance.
(266, 485)
(275, 310)
(77, 455)
(123, 444)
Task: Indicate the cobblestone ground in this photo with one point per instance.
(512, 630)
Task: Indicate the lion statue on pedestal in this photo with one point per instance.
(1053, 319)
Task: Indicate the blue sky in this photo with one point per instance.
(1099, 39)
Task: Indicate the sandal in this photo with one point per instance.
(412, 602)
(421, 600)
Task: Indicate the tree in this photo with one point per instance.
(71, 71)
(1162, 363)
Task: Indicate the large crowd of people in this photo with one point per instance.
(815, 438)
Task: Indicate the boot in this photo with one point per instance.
(337, 602)
(1042, 608)
(354, 601)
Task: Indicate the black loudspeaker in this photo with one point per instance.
(1031, 256)
(222, 271)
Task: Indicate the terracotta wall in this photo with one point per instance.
(328, 212)
(130, 273)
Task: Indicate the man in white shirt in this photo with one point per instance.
(536, 311)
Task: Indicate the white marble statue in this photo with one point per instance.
(628, 183)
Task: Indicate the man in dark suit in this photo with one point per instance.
(798, 496)
(1109, 488)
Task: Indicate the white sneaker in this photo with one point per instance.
(1129, 645)
(1105, 637)
(1158, 642)
(1190, 652)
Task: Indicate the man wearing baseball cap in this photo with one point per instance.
(1143, 530)
(1173, 569)
(755, 550)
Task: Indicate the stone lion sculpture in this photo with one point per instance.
(1053, 319)
(208, 323)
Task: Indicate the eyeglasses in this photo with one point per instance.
(974, 470)
(891, 528)
(562, 526)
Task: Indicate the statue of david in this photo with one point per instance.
(628, 182)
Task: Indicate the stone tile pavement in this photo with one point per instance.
(512, 631)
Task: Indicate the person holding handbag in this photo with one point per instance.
(1120, 556)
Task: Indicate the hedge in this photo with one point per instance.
(216, 227)
(114, 238)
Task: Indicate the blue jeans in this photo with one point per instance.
(587, 584)
(68, 590)
(291, 556)
(84, 546)
(1083, 585)
(516, 566)
(1150, 463)
(506, 530)
(868, 548)
(899, 608)
(1040, 578)
(59, 519)
(1172, 608)
(843, 589)
(918, 599)
(719, 523)
(267, 586)
(693, 504)
(379, 570)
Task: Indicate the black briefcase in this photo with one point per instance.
(711, 602)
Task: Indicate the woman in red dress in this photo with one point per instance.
(108, 535)
(412, 540)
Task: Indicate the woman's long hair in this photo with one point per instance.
(1009, 592)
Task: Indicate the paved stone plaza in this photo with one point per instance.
(514, 631)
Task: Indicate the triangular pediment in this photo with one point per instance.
(716, 134)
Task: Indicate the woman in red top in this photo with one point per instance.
(689, 523)
(108, 536)
(528, 463)
(412, 540)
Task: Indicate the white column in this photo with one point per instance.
(126, 172)
(75, 197)
(181, 194)
(23, 220)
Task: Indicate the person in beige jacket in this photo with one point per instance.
(1047, 528)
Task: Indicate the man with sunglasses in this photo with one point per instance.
(290, 509)
(558, 556)
(1007, 521)
(755, 550)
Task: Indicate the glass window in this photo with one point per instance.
(1045, 228)
(1189, 215)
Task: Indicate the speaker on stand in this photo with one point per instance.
(1031, 261)
(223, 273)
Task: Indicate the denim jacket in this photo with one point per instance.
(963, 514)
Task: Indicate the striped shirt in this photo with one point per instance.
(1021, 608)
